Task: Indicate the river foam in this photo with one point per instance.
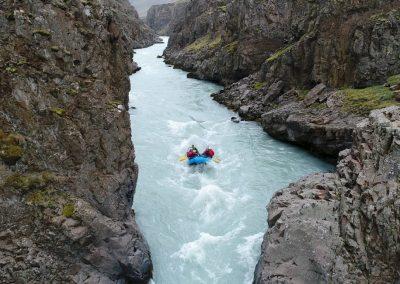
(203, 224)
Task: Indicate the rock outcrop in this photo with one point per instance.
(341, 227)
(334, 42)
(161, 17)
(67, 171)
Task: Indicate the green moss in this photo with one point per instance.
(68, 210)
(318, 106)
(279, 53)
(43, 197)
(258, 85)
(42, 32)
(10, 147)
(205, 42)
(71, 92)
(222, 8)
(11, 153)
(362, 101)
(114, 103)
(27, 182)
(302, 94)
(58, 111)
(11, 69)
(232, 47)
(394, 80)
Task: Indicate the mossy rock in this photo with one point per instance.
(115, 103)
(42, 32)
(258, 85)
(68, 210)
(205, 42)
(362, 101)
(394, 80)
(11, 149)
(11, 69)
(280, 53)
(71, 92)
(43, 197)
(58, 111)
(10, 154)
(232, 47)
(29, 181)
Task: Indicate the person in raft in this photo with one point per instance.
(209, 153)
(192, 152)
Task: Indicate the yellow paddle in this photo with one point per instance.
(184, 158)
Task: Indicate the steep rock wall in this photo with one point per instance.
(341, 227)
(67, 171)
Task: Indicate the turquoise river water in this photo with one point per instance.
(203, 225)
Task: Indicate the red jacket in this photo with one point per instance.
(191, 154)
(209, 153)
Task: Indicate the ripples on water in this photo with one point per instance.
(203, 224)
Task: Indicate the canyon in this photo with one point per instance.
(324, 76)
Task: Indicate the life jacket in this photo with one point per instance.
(191, 154)
(209, 153)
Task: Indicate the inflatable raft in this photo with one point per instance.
(199, 160)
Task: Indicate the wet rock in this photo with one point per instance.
(235, 119)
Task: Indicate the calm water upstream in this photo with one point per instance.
(203, 225)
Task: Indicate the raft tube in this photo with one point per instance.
(199, 160)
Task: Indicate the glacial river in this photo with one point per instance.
(203, 225)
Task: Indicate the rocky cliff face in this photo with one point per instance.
(338, 43)
(160, 17)
(67, 171)
(341, 227)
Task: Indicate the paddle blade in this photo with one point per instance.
(217, 160)
(182, 158)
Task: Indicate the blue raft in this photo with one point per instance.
(199, 160)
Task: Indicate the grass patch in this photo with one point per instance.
(258, 85)
(232, 47)
(42, 32)
(58, 111)
(68, 210)
(10, 147)
(279, 53)
(204, 42)
(28, 182)
(362, 101)
(222, 8)
(394, 80)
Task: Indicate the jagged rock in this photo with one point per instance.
(340, 227)
(299, 43)
(65, 201)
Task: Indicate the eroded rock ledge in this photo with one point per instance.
(67, 171)
(341, 227)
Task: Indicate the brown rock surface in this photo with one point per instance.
(67, 171)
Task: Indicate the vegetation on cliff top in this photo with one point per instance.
(362, 101)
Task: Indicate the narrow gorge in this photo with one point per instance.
(299, 99)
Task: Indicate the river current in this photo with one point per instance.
(203, 224)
